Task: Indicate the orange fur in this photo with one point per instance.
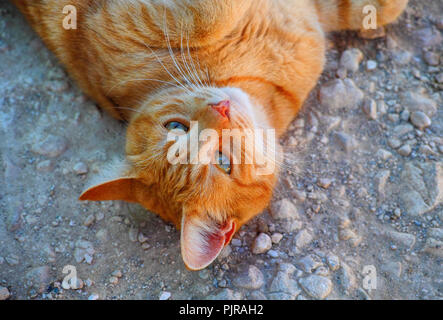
(148, 61)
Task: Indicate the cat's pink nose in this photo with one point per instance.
(223, 108)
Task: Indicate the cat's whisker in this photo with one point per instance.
(171, 53)
(145, 79)
(167, 71)
(192, 75)
(192, 61)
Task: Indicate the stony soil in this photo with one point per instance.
(364, 184)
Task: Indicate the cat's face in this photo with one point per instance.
(177, 152)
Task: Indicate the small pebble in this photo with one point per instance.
(113, 280)
(371, 65)
(4, 293)
(93, 296)
(117, 274)
(405, 150)
(165, 295)
(276, 238)
(262, 244)
(80, 168)
(89, 221)
(420, 120)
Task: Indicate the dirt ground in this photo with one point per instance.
(362, 199)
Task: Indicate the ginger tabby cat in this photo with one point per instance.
(228, 64)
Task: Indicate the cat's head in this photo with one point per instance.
(184, 162)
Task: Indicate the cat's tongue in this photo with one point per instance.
(202, 241)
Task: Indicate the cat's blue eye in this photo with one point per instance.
(223, 162)
(175, 125)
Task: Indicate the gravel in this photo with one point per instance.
(344, 177)
(4, 293)
(262, 244)
(317, 287)
(251, 278)
(52, 146)
(420, 120)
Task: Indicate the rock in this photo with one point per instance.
(394, 143)
(133, 234)
(431, 58)
(290, 226)
(284, 209)
(142, 238)
(57, 86)
(421, 187)
(381, 179)
(403, 239)
(345, 141)
(114, 281)
(51, 147)
(45, 166)
(420, 120)
(434, 247)
(251, 278)
(346, 234)
(316, 286)
(284, 284)
(226, 294)
(89, 221)
(350, 59)
(12, 260)
(4, 293)
(371, 65)
(226, 252)
(165, 295)
(302, 239)
(435, 233)
(117, 274)
(257, 295)
(338, 93)
(401, 57)
(309, 263)
(405, 115)
(262, 244)
(418, 102)
(383, 154)
(392, 269)
(83, 251)
(93, 296)
(38, 279)
(393, 117)
(102, 235)
(405, 150)
(402, 129)
(80, 168)
(14, 221)
(324, 183)
(276, 238)
(428, 37)
(333, 262)
(370, 108)
(273, 254)
(346, 278)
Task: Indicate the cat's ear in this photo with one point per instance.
(202, 240)
(117, 189)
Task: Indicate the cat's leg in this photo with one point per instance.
(350, 14)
